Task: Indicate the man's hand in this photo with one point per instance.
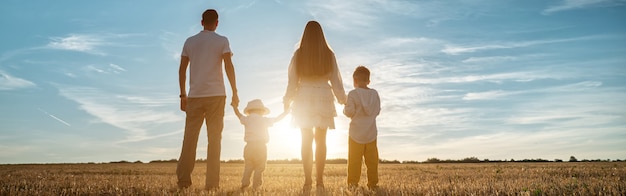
(235, 100)
(183, 104)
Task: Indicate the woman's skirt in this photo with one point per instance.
(314, 106)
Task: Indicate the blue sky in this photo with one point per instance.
(96, 81)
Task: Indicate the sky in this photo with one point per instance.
(97, 81)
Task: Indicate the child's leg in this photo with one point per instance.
(248, 166)
(259, 165)
(355, 157)
(371, 162)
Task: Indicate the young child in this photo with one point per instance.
(362, 107)
(256, 136)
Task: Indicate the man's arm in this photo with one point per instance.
(182, 79)
(230, 73)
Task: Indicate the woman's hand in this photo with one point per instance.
(286, 106)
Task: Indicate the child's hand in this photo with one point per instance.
(286, 107)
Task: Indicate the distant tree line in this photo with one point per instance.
(538, 160)
(383, 161)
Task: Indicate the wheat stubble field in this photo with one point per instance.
(588, 178)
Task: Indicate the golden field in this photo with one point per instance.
(565, 178)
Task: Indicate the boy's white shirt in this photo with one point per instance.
(256, 127)
(362, 107)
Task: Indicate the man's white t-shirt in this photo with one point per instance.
(205, 51)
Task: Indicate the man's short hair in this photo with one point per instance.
(361, 73)
(209, 16)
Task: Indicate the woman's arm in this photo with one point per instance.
(292, 84)
(337, 84)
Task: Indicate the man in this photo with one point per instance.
(204, 53)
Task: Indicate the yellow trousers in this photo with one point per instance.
(356, 153)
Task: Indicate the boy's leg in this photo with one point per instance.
(371, 162)
(355, 156)
(215, 124)
(187, 159)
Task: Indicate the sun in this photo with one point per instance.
(286, 140)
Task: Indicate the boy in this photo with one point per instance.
(256, 136)
(362, 107)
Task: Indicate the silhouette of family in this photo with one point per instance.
(314, 84)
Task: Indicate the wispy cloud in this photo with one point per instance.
(9, 82)
(80, 43)
(359, 13)
(456, 49)
(54, 117)
(490, 59)
(133, 114)
(105, 69)
(581, 4)
(486, 95)
(332, 14)
(90, 43)
(116, 68)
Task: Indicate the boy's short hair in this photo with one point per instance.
(209, 16)
(361, 73)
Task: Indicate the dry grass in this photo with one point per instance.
(286, 179)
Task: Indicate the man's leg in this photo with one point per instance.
(187, 160)
(215, 124)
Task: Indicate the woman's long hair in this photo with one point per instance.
(314, 57)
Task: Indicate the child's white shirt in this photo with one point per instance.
(362, 107)
(256, 127)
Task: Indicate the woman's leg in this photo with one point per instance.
(320, 154)
(307, 154)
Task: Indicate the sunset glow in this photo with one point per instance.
(97, 81)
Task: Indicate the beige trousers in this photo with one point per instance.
(199, 110)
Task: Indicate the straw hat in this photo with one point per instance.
(256, 104)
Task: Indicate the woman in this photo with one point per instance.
(310, 96)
